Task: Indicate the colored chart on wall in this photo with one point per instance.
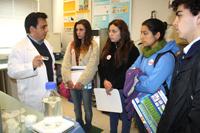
(104, 11)
(75, 10)
(69, 13)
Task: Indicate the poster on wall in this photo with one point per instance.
(100, 16)
(83, 10)
(74, 11)
(104, 11)
(69, 14)
(83, 4)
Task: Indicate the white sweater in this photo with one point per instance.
(90, 60)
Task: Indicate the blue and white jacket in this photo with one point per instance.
(156, 75)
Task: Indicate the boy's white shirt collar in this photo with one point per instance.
(186, 49)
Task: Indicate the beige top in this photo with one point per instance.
(90, 60)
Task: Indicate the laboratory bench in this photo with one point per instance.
(5, 82)
(8, 103)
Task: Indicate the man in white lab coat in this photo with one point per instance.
(31, 61)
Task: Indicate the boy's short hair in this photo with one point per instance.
(192, 5)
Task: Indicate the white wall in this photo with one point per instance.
(12, 15)
(58, 22)
(57, 15)
(46, 7)
(141, 10)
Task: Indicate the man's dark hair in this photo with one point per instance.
(32, 20)
(192, 5)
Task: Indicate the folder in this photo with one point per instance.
(150, 108)
(77, 72)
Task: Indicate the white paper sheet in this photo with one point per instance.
(109, 103)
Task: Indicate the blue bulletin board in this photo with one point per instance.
(104, 11)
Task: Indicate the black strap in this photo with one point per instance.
(161, 54)
(166, 88)
(156, 61)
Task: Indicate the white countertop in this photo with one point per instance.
(3, 66)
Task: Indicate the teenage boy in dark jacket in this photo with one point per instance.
(182, 112)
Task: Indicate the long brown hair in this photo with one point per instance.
(124, 44)
(77, 44)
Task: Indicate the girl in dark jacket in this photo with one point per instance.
(117, 56)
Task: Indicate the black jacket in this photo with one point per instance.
(182, 112)
(109, 71)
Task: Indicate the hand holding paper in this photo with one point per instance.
(108, 86)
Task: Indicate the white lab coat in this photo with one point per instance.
(30, 83)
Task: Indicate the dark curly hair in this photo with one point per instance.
(192, 5)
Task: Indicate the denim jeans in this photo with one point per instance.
(114, 118)
(78, 96)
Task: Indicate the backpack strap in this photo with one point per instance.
(166, 88)
(161, 54)
(156, 61)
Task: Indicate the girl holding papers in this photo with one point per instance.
(78, 69)
(117, 56)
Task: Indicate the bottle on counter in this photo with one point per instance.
(52, 103)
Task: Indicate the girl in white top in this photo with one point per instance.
(83, 51)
